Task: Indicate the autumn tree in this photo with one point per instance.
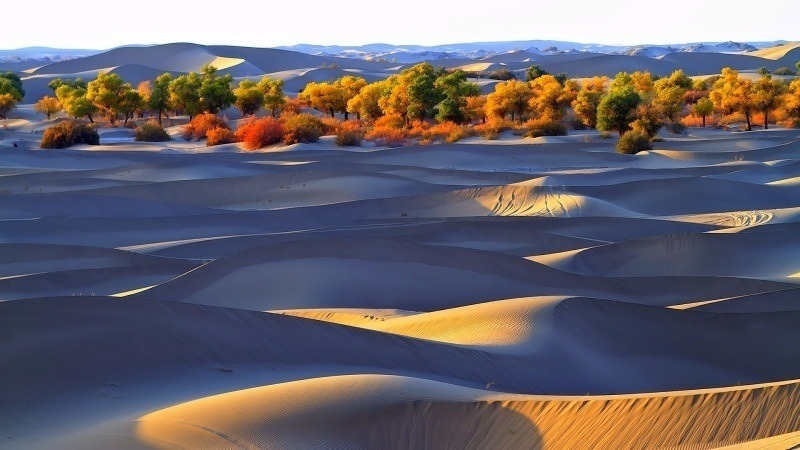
(130, 102)
(325, 97)
(617, 110)
(11, 93)
(215, 91)
(48, 106)
(588, 99)
(75, 102)
(703, 108)
(249, 97)
(349, 86)
(366, 104)
(160, 96)
(456, 90)
(549, 98)
(184, 94)
(145, 90)
(110, 94)
(767, 96)
(732, 93)
(476, 108)
(791, 100)
(509, 98)
(7, 103)
(670, 94)
(272, 90)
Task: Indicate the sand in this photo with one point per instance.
(543, 293)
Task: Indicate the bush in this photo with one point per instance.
(676, 128)
(219, 136)
(385, 136)
(151, 132)
(633, 142)
(390, 121)
(302, 128)
(543, 127)
(68, 133)
(331, 125)
(784, 71)
(349, 134)
(259, 133)
(201, 124)
(696, 121)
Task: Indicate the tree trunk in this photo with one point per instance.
(766, 119)
(159, 119)
(346, 116)
(704, 121)
(273, 113)
(90, 119)
(747, 117)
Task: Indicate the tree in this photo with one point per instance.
(588, 99)
(366, 104)
(509, 97)
(349, 86)
(215, 91)
(763, 71)
(476, 108)
(15, 83)
(56, 83)
(7, 103)
(423, 95)
(549, 98)
(617, 110)
(534, 72)
(272, 89)
(145, 90)
(47, 106)
(732, 93)
(110, 94)
(184, 94)
(670, 94)
(160, 96)
(791, 100)
(75, 102)
(456, 90)
(704, 107)
(249, 97)
(130, 102)
(325, 97)
(767, 96)
(797, 66)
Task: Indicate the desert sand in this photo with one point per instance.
(542, 293)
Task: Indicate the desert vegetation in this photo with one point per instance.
(422, 105)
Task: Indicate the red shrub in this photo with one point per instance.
(259, 133)
(201, 124)
(218, 136)
(388, 136)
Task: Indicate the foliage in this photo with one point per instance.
(783, 71)
(219, 136)
(543, 126)
(476, 108)
(633, 142)
(670, 94)
(259, 133)
(215, 91)
(7, 103)
(767, 96)
(76, 83)
(75, 102)
(325, 97)
(111, 95)
(588, 99)
(47, 106)
(9, 82)
(703, 108)
(349, 86)
(390, 121)
(501, 74)
(302, 128)
(456, 90)
(199, 126)
(184, 94)
(68, 133)
(349, 134)
(272, 89)
(159, 100)
(385, 136)
(249, 97)
(365, 105)
(534, 72)
(733, 94)
(509, 98)
(617, 110)
(549, 97)
(151, 132)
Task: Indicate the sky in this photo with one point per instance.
(102, 24)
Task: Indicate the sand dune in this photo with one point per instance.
(515, 293)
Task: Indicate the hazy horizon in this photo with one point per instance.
(414, 22)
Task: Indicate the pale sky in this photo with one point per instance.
(101, 24)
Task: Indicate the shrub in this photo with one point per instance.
(349, 134)
(390, 121)
(676, 128)
(543, 127)
(331, 125)
(784, 71)
(385, 136)
(633, 142)
(151, 132)
(218, 136)
(68, 133)
(696, 121)
(200, 124)
(302, 128)
(259, 133)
